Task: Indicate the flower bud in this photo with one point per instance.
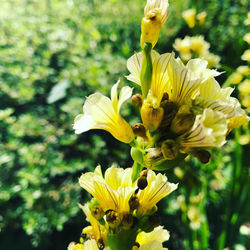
(170, 149)
(97, 212)
(100, 244)
(202, 155)
(151, 117)
(140, 130)
(142, 182)
(136, 246)
(133, 202)
(155, 15)
(127, 221)
(137, 100)
(113, 218)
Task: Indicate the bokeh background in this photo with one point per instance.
(53, 53)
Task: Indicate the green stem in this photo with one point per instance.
(146, 70)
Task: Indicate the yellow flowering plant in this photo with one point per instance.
(184, 112)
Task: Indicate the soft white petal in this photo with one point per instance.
(125, 94)
(83, 123)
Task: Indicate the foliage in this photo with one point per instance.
(73, 48)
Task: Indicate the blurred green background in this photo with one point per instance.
(53, 53)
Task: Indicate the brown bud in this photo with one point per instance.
(165, 97)
(136, 246)
(97, 212)
(127, 221)
(202, 155)
(100, 243)
(142, 182)
(170, 149)
(137, 100)
(144, 173)
(113, 218)
(140, 130)
(133, 202)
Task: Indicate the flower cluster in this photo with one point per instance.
(193, 19)
(120, 205)
(183, 110)
(196, 46)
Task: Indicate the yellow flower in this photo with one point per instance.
(158, 187)
(246, 55)
(88, 245)
(244, 70)
(209, 130)
(102, 113)
(96, 229)
(189, 16)
(185, 80)
(158, 234)
(75, 246)
(171, 76)
(247, 38)
(212, 59)
(113, 191)
(247, 21)
(201, 17)
(244, 87)
(155, 15)
(199, 45)
(160, 82)
(235, 78)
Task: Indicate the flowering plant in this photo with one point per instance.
(184, 112)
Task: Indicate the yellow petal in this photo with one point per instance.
(184, 83)
(158, 234)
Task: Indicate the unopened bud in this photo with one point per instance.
(142, 182)
(202, 155)
(137, 100)
(165, 97)
(100, 244)
(170, 149)
(144, 173)
(150, 29)
(97, 212)
(113, 218)
(136, 246)
(127, 221)
(140, 130)
(133, 202)
(151, 117)
(182, 123)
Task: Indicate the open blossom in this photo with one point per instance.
(152, 240)
(155, 15)
(95, 230)
(158, 187)
(100, 112)
(189, 16)
(112, 191)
